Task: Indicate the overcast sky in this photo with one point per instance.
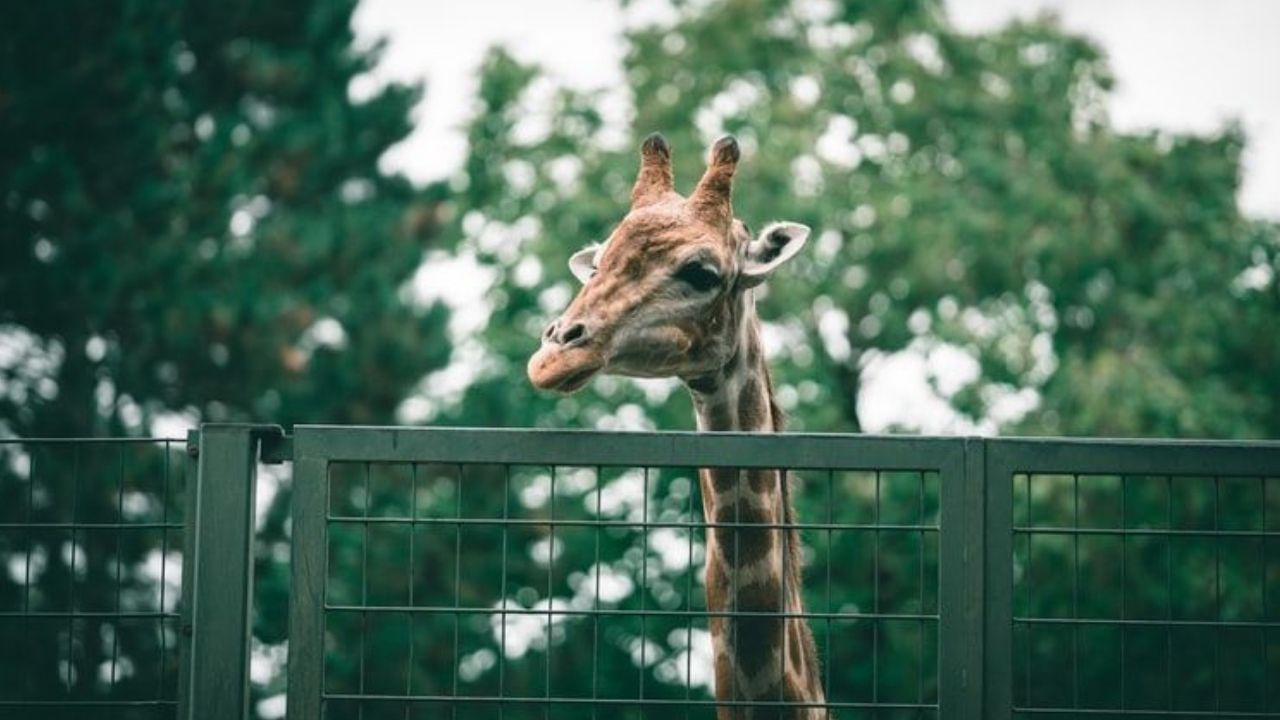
(1185, 65)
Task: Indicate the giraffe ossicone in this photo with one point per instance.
(670, 294)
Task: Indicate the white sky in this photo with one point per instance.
(1185, 65)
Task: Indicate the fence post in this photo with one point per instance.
(306, 596)
(190, 487)
(997, 660)
(960, 609)
(218, 573)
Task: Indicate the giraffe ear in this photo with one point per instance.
(776, 244)
(583, 263)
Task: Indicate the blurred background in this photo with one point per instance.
(1030, 217)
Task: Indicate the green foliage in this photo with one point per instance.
(193, 222)
(964, 190)
(191, 201)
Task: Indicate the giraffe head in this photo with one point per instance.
(662, 296)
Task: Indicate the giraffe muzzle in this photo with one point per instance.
(564, 367)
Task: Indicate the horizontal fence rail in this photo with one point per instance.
(555, 574)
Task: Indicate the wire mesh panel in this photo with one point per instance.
(91, 537)
(1145, 579)
(514, 574)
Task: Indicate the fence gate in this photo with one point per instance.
(531, 573)
(595, 604)
(1132, 579)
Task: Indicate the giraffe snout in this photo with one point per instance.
(567, 358)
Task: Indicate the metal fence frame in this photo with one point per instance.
(316, 447)
(1005, 459)
(976, 533)
(77, 523)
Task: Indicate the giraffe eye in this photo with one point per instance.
(698, 276)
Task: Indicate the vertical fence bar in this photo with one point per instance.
(190, 484)
(997, 659)
(960, 592)
(221, 591)
(306, 606)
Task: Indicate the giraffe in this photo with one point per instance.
(669, 294)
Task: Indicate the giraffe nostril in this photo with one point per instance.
(573, 333)
(550, 331)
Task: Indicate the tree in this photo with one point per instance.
(194, 217)
(966, 192)
(193, 222)
(968, 197)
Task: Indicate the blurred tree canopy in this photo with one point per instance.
(193, 219)
(967, 195)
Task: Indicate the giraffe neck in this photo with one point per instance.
(752, 569)
(739, 395)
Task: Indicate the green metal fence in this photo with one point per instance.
(527, 573)
(1173, 555)
(359, 504)
(91, 538)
